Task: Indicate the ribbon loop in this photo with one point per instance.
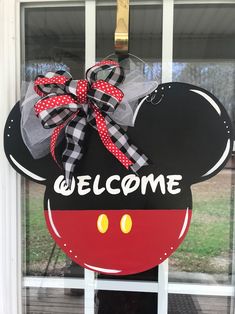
(54, 110)
(52, 82)
(115, 74)
(70, 105)
(105, 96)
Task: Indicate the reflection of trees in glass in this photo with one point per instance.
(153, 71)
(216, 77)
(41, 68)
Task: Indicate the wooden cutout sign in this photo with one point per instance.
(112, 220)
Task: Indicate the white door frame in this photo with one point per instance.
(10, 220)
(11, 281)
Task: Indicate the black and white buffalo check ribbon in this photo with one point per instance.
(73, 104)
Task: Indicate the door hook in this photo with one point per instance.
(121, 37)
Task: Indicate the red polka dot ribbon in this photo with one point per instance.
(71, 105)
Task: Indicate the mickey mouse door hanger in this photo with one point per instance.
(118, 199)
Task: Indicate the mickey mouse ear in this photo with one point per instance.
(186, 131)
(18, 154)
(219, 135)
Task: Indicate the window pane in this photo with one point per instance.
(53, 301)
(120, 302)
(145, 40)
(54, 40)
(204, 55)
(185, 303)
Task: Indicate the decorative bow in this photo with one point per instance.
(71, 104)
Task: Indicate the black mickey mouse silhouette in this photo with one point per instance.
(117, 222)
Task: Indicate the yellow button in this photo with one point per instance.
(126, 223)
(102, 223)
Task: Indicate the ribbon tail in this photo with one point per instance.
(74, 134)
(54, 138)
(122, 141)
(53, 142)
(117, 142)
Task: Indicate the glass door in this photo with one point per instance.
(203, 55)
(52, 39)
(193, 42)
